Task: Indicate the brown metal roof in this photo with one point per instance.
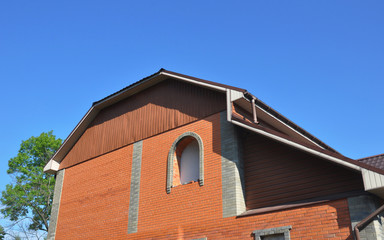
(285, 120)
(376, 161)
(173, 73)
(259, 103)
(324, 151)
(162, 75)
(205, 81)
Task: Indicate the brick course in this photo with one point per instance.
(95, 199)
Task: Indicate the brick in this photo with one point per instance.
(96, 198)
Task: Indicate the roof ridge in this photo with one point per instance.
(131, 85)
(163, 70)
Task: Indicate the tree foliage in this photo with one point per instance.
(2, 233)
(30, 195)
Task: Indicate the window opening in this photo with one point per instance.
(279, 233)
(185, 161)
(273, 237)
(188, 162)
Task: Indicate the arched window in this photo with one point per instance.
(185, 161)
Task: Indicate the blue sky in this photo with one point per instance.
(319, 63)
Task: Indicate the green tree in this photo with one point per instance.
(2, 233)
(30, 195)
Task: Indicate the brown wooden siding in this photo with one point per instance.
(162, 107)
(277, 174)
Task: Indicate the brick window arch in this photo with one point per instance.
(185, 161)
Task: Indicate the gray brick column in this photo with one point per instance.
(359, 208)
(55, 205)
(133, 215)
(231, 169)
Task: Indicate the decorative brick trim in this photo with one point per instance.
(171, 155)
(55, 205)
(135, 187)
(272, 231)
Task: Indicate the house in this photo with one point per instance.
(177, 157)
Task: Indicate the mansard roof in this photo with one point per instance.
(163, 74)
(282, 129)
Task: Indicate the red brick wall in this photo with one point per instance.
(95, 199)
(321, 221)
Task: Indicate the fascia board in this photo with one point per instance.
(287, 126)
(73, 136)
(276, 122)
(235, 95)
(222, 89)
(88, 117)
(51, 167)
(372, 180)
(92, 112)
(135, 88)
(231, 96)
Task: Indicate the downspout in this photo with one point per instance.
(252, 99)
(366, 221)
(254, 110)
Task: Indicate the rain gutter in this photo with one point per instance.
(286, 121)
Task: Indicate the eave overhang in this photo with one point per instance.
(373, 178)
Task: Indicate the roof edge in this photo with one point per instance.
(167, 72)
(365, 158)
(323, 153)
(204, 81)
(128, 87)
(288, 122)
(114, 97)
(163, 74)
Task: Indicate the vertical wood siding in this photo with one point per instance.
(162, 107)
(276, 174)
